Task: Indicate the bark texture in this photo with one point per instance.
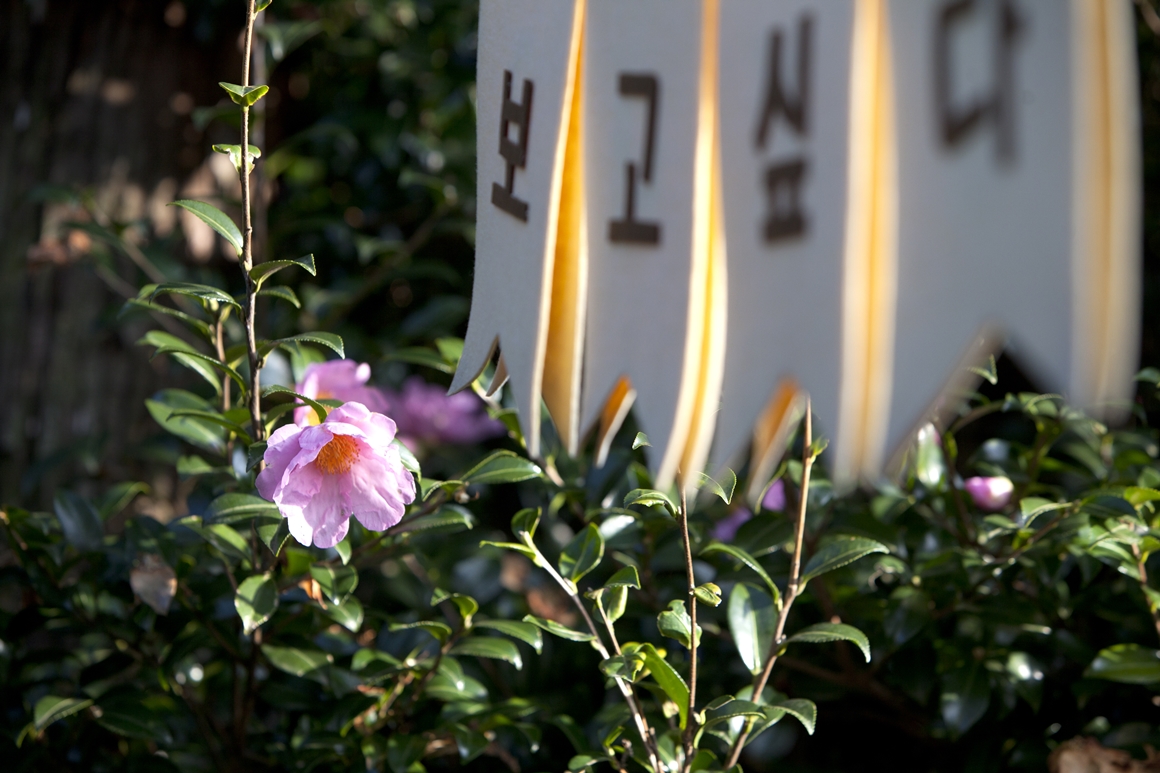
(93, 93)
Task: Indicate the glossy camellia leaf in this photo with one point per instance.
(708, 593)
(50, 708)
(517, 629)
(448, 519)
(452, 684)
(582, 554)
(615, 602)
(839, 552)
(235, 154)
(336, 582)
(256, 600)
(273, 533)
(1128, 663)
(421, 355)
(745, 558)
(625, 577)
(966, 693)
(296, 661)
(128, 716)
(218, 221)
(466, 605)
(556, 629)
(723, 488)
(489, 647)
(440, 631)
(675, 623)
(245, 96)
(752, 621)
(199, 432)
(828, 632)
(231, 508)
(320, 410)
(263, 271)
(502, 467)
(640, 441)
(79, 520)
(349, 614)
(647, 497)
(470, 743)
(331, 341)
(667, 677)
(805, 711)
(726, 708)
(200, 292)
(282, 293)
(199, 326)
(524, 523)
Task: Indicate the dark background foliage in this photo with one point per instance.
(369, 165)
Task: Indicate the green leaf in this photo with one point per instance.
(344, 550)
(440, 631)
(502, 467)
(827, 632)
(616, 603)
(263, 271)
(647, 497)
(1033, 507)
(282, 293)
(523, 550)
(199, 432)
(839, 552)
(989, 373)
(119, 496)
(235, 154)
(675, 623)
(752, 621)
(274, 534)
(348, 614)
(262, 5)
(582, 554)
(524, 523)
(627, 666)
(128, 717)
(218, 221)
(748, 560)
(489, 647)
(966, 693)
(213, 417)
(470, 743)
(256, 600)
(449, 519)
(554, 628)
(525, 632)
(1139, 495)
(245, 96)
(232, 508)
(336, 582)
(1128, 663)
(668, 679)
(296, 661)
(320, 410)
(194, 323)
(79, 520)
(582, 761)
(50, 708)
(801, 709)
(466, 605)
(640, 441)
(726, 710)
(723, 488)
(625, 577)
(329, 340)
(408, 460)
(709, 593)
(203, 293)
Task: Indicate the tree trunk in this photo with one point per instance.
(94, 94)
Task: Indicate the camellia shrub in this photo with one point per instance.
(382, 579)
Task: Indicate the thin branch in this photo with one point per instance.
(691, 726)
(792, 589)
(258, 428)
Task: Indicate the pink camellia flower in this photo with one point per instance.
(427, 415)
(990, 493)
(726, 528)
(321, 475)
(344, 380)
(774, 498)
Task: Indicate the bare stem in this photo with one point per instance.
(259, 432)
(625, 688)
(691, 728)
(791, 590)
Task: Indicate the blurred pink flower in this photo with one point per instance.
(427, 415)
(319, 476)
(990, 493)
(343, 380)
(774, 498)
(726, 528)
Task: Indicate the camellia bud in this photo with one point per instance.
(990, 493)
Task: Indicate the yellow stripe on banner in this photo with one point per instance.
(564, 353)
(870, 262)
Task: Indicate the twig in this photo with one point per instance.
(691, 723)
(259, 429)
(791, 590)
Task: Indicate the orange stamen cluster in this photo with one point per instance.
(337, 456)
